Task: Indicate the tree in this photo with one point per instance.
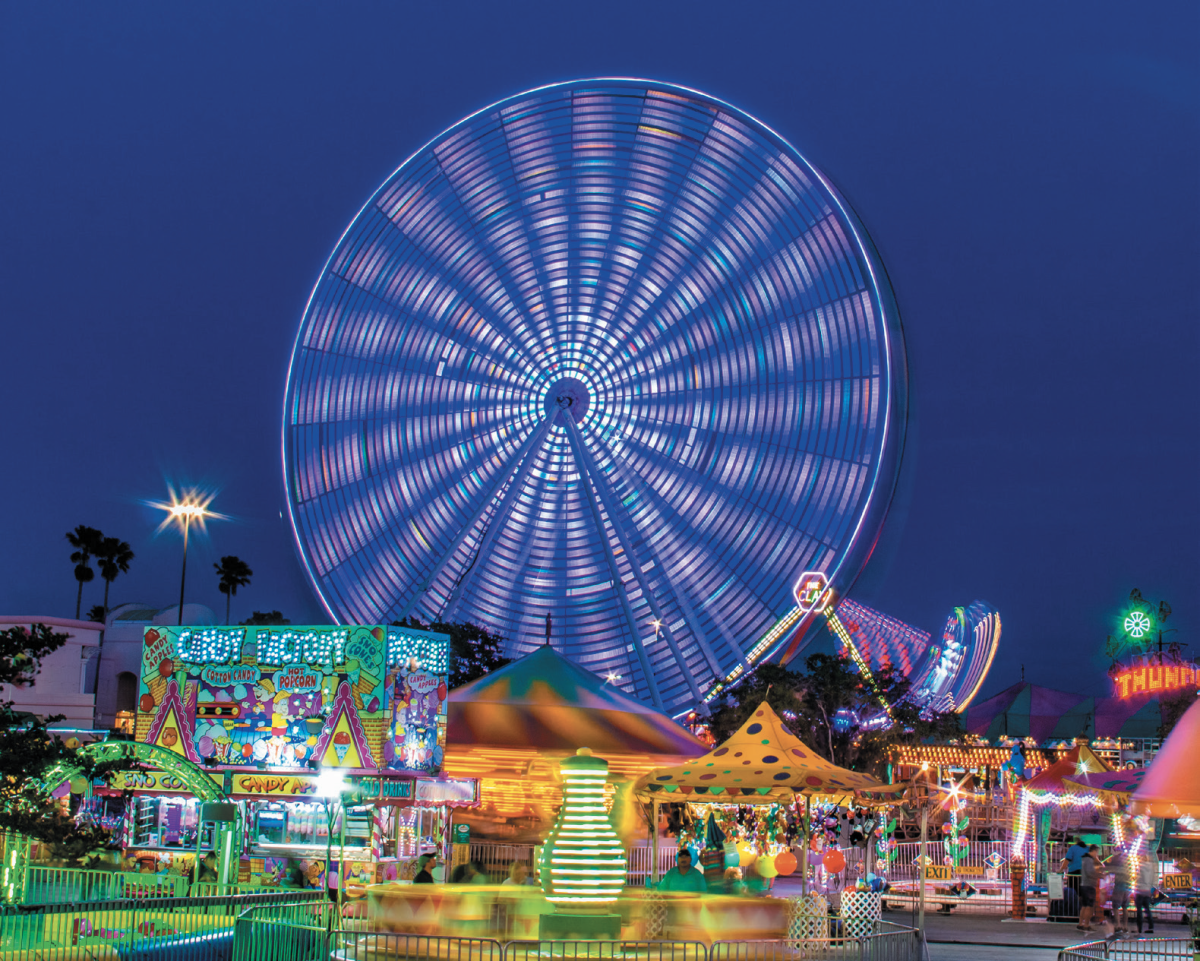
(474, 650)
(264, 618)
(86, 541)
(1173, 706)
(828, 706)
(773, 683)
(233, 572)
(113, 557)
(97, 613)
(28, 750)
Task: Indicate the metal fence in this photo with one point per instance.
(1143, 949)
(134, 929)
(263, 938)
(887, 942)
(47, 885)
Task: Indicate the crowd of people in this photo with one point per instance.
(1085, 870)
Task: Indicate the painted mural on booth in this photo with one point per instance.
(284, 697)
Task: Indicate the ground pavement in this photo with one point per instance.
(991, 937)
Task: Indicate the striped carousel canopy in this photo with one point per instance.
(545, 702)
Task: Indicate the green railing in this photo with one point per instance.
(47, 885)
(107, 929)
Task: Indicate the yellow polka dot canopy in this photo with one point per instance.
(761, 763)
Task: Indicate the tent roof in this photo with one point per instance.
(1171, 787)
(760, 763)
(1115, 785)
(1027, 710)
(545, 702)
(1078, 760)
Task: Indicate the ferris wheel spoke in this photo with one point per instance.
(498, 520)
(617, 581)
(681, 597)
(591, 475)
(421, 302)
(466, 529)
(722, 529)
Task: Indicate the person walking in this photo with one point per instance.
(1147, 877)
(1120, 893)
(1090, 873)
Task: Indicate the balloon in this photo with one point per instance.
(206, 746)
(785, 863)
(78, 785)
(816, 842)
(765, 867)
(746, 854)
(835, 862)
(731, 854)
(691, 849)
(816, 858)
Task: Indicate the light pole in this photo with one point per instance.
(183, 513)
(331, 785)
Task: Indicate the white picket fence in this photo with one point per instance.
(497, 859)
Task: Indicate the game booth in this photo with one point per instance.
(326, 742)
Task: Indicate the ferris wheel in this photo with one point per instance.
(609, 352)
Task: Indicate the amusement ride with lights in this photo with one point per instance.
(610, 350)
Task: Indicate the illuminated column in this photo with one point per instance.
(583, 861)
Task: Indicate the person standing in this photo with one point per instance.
(425, 865)
(1090, 873)
(1147, 877)
(1072, 863)
(683, 877)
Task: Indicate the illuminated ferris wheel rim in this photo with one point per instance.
(582, 386)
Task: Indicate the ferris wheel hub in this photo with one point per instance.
(568, 393)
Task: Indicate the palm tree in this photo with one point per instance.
(86, 541)
(234, 573)
(97, 613)
(113, 556)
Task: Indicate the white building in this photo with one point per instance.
(67, 677)
(121, 659)
(93, 680)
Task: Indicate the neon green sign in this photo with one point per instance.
(1137, 624)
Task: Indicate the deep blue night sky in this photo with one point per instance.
(174, 178)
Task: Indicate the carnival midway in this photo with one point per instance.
(672, 486)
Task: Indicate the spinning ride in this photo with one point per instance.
(610, 352)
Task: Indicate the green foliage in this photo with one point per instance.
(772, 683)
(232, 573)
(87, 542)
(474, 650)
(825, 706)
(264, 619)
(1173, 706)
(113, 556)
(28, 751)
